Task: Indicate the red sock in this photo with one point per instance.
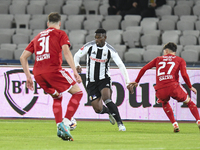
(73, 104)
(169, 112)
(57, 109)
(193, 109)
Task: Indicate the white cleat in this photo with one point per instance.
(112, 119)
(122, 127)
(176, 127)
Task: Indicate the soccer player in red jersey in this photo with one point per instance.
(167, 82)
(48, 73)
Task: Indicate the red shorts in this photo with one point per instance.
(176, 91)
(60, 81)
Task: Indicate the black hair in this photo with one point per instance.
(54, 17)
(100, 31)
(171, 46)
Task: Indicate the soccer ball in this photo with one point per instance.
(73, 124)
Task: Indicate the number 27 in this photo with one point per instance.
(163, 65)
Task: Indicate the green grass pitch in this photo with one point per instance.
(29, 134)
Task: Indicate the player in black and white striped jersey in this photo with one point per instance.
(98, 81)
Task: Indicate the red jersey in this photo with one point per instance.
(167, 69)
(47, 47)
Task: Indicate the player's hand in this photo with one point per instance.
(29, 83)
(193, 90)
(131, 86)
(77, 77)
(79, 69)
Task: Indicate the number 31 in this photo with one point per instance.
(44, 44)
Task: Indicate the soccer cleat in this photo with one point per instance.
(60, 134)
(64, 132)
(176, 127)
(198, 123)
(112, 119)
(122, 127)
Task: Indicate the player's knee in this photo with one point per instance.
(187, 100)
(96, 106)
(56, 95)
(97, 110)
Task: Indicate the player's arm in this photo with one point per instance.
(25, 66)
(80, 53)
(185, 76)
(121, 66)
(141, 73)
(69, 58)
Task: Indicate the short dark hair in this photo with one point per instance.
(171, 46)
(54, 17)
(100, 31)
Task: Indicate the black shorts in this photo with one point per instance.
(94, 88)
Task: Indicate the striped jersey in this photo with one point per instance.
(98, 60)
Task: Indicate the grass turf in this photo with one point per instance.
(27, 134)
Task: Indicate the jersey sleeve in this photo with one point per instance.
(150, 65)
(64, 40)
(121, 66)
(80, 53)
(30, 47)
(184, 73)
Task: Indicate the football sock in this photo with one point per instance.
(113, 110)
(57, 109)
(66, 121)
(73, 104)
(169, 112)
(193, 109)
(104, 110)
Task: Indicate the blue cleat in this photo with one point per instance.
(64, 132)
(60, 133)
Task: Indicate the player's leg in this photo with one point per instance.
(57, 98)
(74, 101)
(169, 112)
(64, 82)
(57, 107)
(106, 97)
(95, 98)
(182, 96)
(193, 109)
(98, 106)
(71, 109)
(163, 97)
(62, 130)
(96, 101)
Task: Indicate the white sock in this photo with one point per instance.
(66, 121)
(175, 123)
